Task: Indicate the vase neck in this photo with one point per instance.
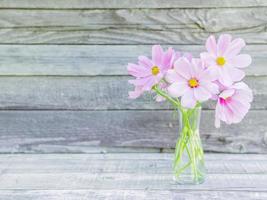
(190, 118)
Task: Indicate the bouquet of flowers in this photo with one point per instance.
(187, 82)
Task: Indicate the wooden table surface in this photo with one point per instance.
(127, 176)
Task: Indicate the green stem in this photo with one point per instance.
(176, 103)
(190, 138)
(183, 168)
(189, 141)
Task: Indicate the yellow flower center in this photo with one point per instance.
(220, 61)
(193, 83)
(155, 70)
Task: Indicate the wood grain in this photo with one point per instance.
(226, 157)
(195, 20)
(128, 194)
(149, 163)
(127, 176)
(121, 35)
(103, 4)
(91, 93)
(92, 60)
(74, 131)
(127, 26)
(82, 39)
(28, 177)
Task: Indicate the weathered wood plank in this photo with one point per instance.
(52, 172)
(91, 60)
(90, 4)
(128, 194)
(127, 176)
(174, 26)
(91, 93)
(73, 131)
(122, 35)
(124, 163)
(137, 181)
(83, 4)
(211, 157)
(190, 19)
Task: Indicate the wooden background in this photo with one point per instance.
(64, 80)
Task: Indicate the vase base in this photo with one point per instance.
(188, 180)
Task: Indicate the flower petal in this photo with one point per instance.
(208, 59)
(236, 74)
(149, 84)
(175, 57)
(209, 74)
(188, 56)
(140, 81)
(223, 43)
(243, 90)
(244, 95)
(137, 70)
(235, 47)
(238, 112)
(228, 115)
(241, 86)
(227, 93)
(158, 77)
(209, 86)
(177, 89)
(167, 60)
(196, 67)
(136, 93)
(224, 77)
(241, 61)
(211, 45)
(171, 77)
(145, 62)
(188, 100)
(182, 67)
(159, 98)
(221, 111)
(201, 94)
(157, 54)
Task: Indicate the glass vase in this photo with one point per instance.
(188, 164)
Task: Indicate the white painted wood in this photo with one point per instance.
(122, 35)
(194, 20)
(152, 163)
(91, 60)
(44, 173)
(128, 194)
(135, 181)
(127, 176)
(127, 26)
(91, 93)
(104, 4)
(75, 131)
(112, 156)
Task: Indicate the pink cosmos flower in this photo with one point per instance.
(163, 85)
(179, 54)
(233, 103)
(191, 81)
(150, 72)
(225, 58)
